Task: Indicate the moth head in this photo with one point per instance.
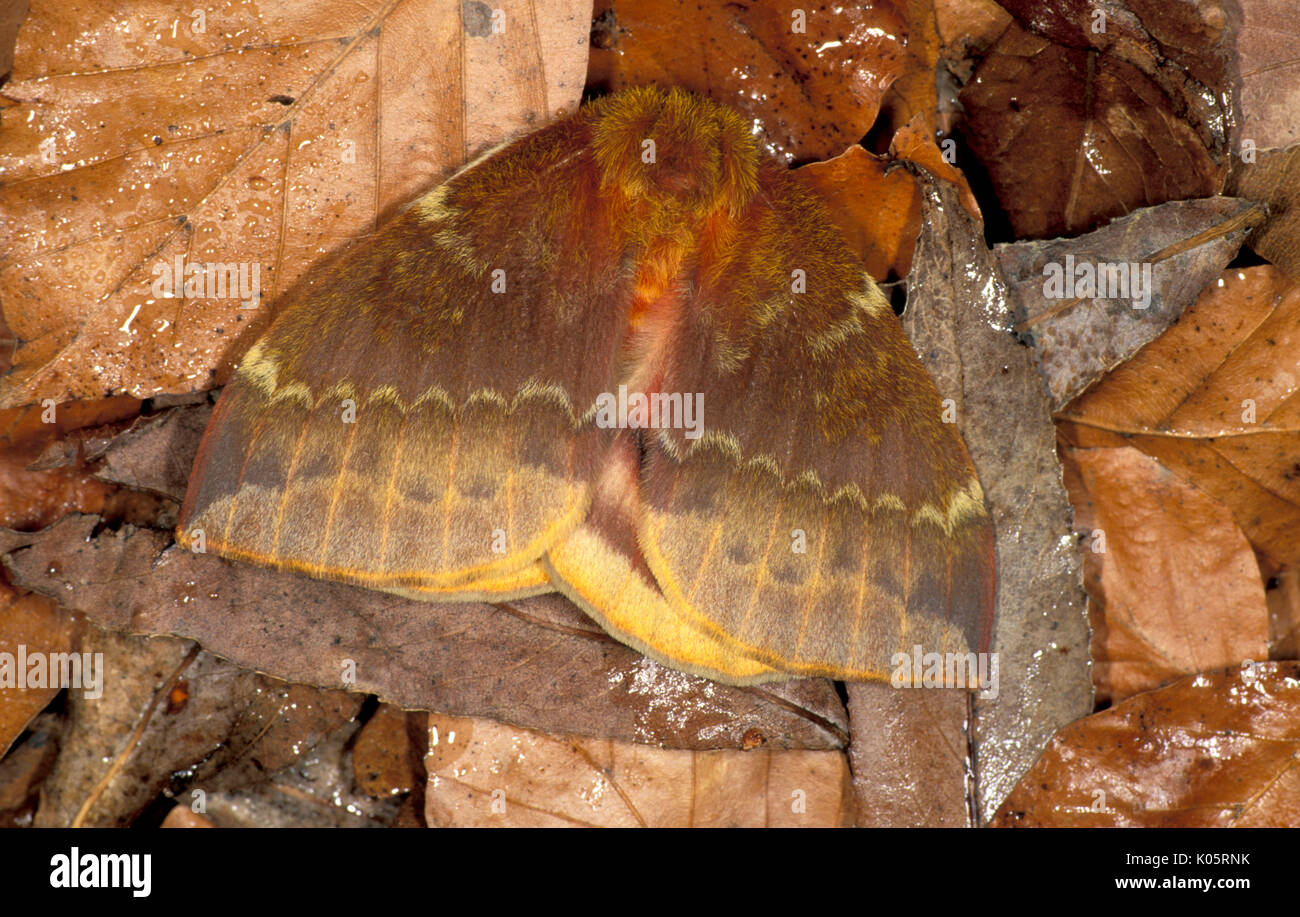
(676, 152)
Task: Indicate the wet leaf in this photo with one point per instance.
(1072, 137)
(959, 320)
(877, 209)
(812, 78)
(33, 493)
(1218, 749)
(1216, 400)
(1174, 583)
(166, 708)
(383, 759)
(317, 791)
(968, 27)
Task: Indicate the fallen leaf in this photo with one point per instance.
(1174, 582)
(184, 817)
(909, 756)
(1155, 260)
(959, 318)
(1273, 178)
(261, 137)
(1216, 400)
(34, 498)
(167, 708)
(483, 774)
(1282, 592)
(35, 638)
(968, 27)
(1266, 74)
(156, 453)
(539, 662)
(383, 758)
(876, 208)
(1217, 749)
(1072, 138)
(24, 768)
(914, 142)
(811, 78)
(316, 791)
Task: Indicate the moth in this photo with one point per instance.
(625, 357)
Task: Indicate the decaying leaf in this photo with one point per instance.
(1077, 133)
(1089, 303)
(164, 708)
(959, 320)
(24, 768)
(383, 759)
(1273, 177)
(909, 757)
(1266, 73)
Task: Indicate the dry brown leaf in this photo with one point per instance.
(1266, 72)
(1216, 400)
(264, 135)
(1173, 580)
(1218, 749)
(483, 774)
